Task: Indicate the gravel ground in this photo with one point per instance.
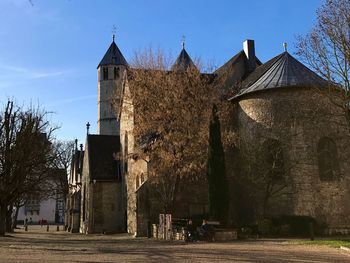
(37, 245)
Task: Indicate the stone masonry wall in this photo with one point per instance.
(298, 118)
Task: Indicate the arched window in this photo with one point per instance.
(137, 182)
(142, 178)
(105, 73)
(328, 165)
(116, 72)
(273, 159)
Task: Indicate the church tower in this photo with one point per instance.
(110, 80)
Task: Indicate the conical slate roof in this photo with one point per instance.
(183, 61)
(281, 71)
(113, 56)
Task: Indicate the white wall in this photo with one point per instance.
(47, 212)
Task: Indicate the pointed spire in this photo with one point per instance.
(183, 61)
(113, 56)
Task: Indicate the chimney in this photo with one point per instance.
(249, 50)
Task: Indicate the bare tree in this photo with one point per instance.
(326, 49)
(25, 151)
(172, 115)
(63, 153)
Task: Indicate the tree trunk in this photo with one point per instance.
(14, 222)
(9, 219)
(2, 219)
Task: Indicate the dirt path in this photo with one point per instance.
(37, 245)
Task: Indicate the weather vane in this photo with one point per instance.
(114, 30)
(183, 41)
(87, 128)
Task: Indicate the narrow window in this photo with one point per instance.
(84, 201)
(328, 164)
(126, 152)
(105, 73)
(137, 182)
(116, 72)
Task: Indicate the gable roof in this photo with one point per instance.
(113, 56)
(230, 72)
(183, 61)
(102, 150)
(281, 71)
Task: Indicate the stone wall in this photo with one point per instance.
(107, 213)
(143, 204)
(298, 118)
(109, 89)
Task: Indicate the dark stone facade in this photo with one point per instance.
(298, 118)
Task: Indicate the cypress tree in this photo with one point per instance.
(216, 173)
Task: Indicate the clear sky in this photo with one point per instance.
(49, 51)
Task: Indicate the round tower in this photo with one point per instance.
(296, 142)
(110, 75)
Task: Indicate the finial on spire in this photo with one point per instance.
(183, 41)
(285, 46)
(87, 128)
(114, 30)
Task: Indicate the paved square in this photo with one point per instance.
(37, 245)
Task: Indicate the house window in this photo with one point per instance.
(328, 165)
(105, 73)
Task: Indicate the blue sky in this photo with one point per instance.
(49, 51)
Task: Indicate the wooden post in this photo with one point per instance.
(47, 228)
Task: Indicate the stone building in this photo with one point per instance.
(72, 213)
(287, 125)
(285, 128)
(102, 208)
(50, 207)
(142, 205)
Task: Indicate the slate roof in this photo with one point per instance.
(227, 71)
(102, 149)
(183, 61)
(279, 72)
(113, 56)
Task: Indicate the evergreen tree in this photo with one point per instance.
(216, 173)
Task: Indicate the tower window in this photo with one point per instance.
(105, 73)
(328, 164)
(116, 73)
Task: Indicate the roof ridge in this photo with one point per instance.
(267, 69)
